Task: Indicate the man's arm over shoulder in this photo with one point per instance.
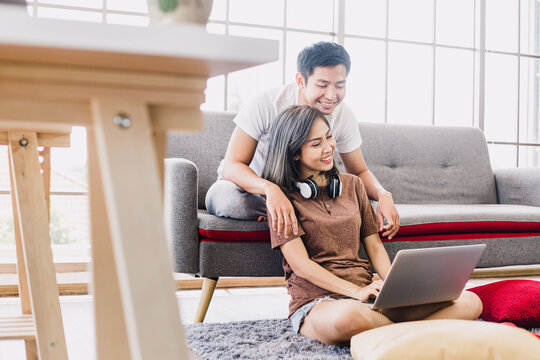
(252, 122)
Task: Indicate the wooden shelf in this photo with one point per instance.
(17, 328)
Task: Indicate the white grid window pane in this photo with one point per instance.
(319, 18)
(500, 120)
(454, 87)
(367, 79)
(502, 156)
(529, 124)
(529, 27)
(128, 19)
(502, 25)
(4, 170)
(94, 4)
(365, 17)
(529, 156)
(296, 41)
(69, 223)
(245, 84)
(7, 235)
(411, 20)
(259, 12)
(69, 165)
(219, 10)
(410, 83)
(215, 93)
(70, 219)
(67, 14)
(455, 22)
(128, 5)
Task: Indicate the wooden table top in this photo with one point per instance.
(179, 49)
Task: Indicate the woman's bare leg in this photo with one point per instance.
(467, 307)
(335, 322)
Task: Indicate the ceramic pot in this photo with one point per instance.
(186, 11)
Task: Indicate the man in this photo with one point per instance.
(320, 82)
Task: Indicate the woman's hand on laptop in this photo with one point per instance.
(369, 292)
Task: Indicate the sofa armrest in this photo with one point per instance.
(518, 186)
(180, 213)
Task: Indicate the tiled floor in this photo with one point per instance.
(227, 305)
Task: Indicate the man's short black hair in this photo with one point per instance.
(323, 53)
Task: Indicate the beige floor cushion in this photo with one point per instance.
(445, 339)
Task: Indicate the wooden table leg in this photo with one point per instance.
(160, 146)
(26, 307)
(111, 336)
(131, 185)
(46, 172)
(34, 231)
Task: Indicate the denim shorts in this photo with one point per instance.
(297, 319)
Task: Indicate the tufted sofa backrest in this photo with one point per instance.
(430, 164)
(418, 164)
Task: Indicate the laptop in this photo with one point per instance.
(430, 275)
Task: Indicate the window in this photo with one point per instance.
(512, 53)
(440, 62)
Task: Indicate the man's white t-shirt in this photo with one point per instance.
(256, 118)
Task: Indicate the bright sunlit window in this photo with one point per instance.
(413, 62)
(430, 62)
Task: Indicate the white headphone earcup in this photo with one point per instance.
(307, 189)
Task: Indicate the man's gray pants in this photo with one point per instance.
(226, 199)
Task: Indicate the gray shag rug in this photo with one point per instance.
(260, 339)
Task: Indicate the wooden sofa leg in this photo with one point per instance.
(209, 285)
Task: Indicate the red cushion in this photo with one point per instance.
(515, 301)
(234, 236)
(468, 227)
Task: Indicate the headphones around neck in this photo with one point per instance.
(309, 189)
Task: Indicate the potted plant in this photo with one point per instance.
(179, 11)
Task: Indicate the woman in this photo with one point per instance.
(326, 279)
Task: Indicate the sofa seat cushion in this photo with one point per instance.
(215, 228)
(455, 221)
(419, 222)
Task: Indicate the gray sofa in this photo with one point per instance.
(440, 177)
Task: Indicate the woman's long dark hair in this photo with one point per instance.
(288, 133)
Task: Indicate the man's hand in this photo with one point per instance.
(281, 211)
(369, 292)
(387, 210)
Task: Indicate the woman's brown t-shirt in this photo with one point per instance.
(331, 230)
